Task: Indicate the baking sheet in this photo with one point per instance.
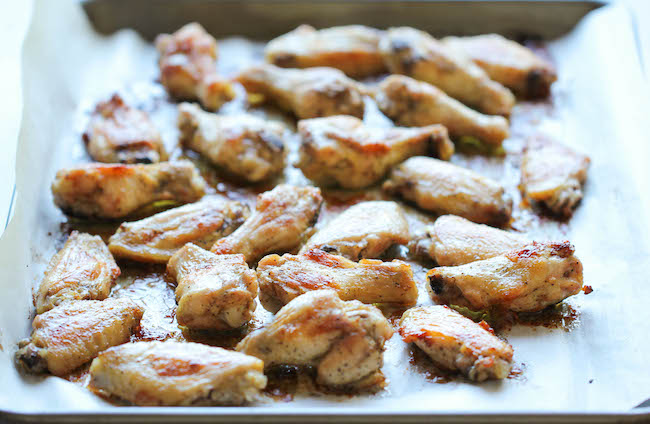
(599, 365)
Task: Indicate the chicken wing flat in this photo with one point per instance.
(72, 334)
(114, 191)
(553, 175)
(172, 373)
(457, 343)
(364, 230)
(83, 270)
(343, 151)
(118, 133)
(157, 238)
(188, 70)
(244, 145)
(523, 280)
(214, 292)
(444, 188)
(307, 93)
(415, 53)
(354, 49)
(343, 340)
(415, 103)
(508, 63)
(282, 217)
(283, 278)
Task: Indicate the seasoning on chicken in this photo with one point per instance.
(172, 373)
(214, 292)
(68, 336)
(243, 145)
(114, 191)
(343, 151)
(524, 280)
(344, 341)
(457, 343)
(444, 188)
(157, 238)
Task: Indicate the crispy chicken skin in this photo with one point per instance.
(307, 93)
(553, 175)
(524, 280)
(343, 151)
(188, 70)
(82, 270)
(101, 191)
(457, 343)
(157, 238)
(415, 53)
(118, 133)
(243, 145)
(354, 49)
(364, 230)
(343, 340)
(508, 63)
(172, 373)
(72, 334)
(282, 217)
(444, 188)
(283, 278)
(415, 103)
(214, 292)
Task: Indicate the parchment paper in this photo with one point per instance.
(601, 365)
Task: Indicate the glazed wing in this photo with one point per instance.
(72, 334)
(364, 230)
(82, 270)
(281, 218)
(115, 191)
(415, 53)
(307, 93)
(457, 343)
(444, 188)
(343, 340)
(524, 280)
(214, 292)
(354, 49)
(244, 145)
(172, 373)
(187, 62)
(343, 151)
(157, 238)
(414, 104)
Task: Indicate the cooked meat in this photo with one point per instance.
(457, 343)
(414, 104)
(115, 191)
(553, 175)
(364, 230)
(73, 333)
(172, 373)
(307, 93)
(282, 217)
(415, 53)
(354, 49)
(343, 340)
(524, 280)
(83, 270)
(214, 292)
(188, 69)
(118, 133)
(341, 150)
(283, 278)
(157, 238)
(508, 63)
(244, 145)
